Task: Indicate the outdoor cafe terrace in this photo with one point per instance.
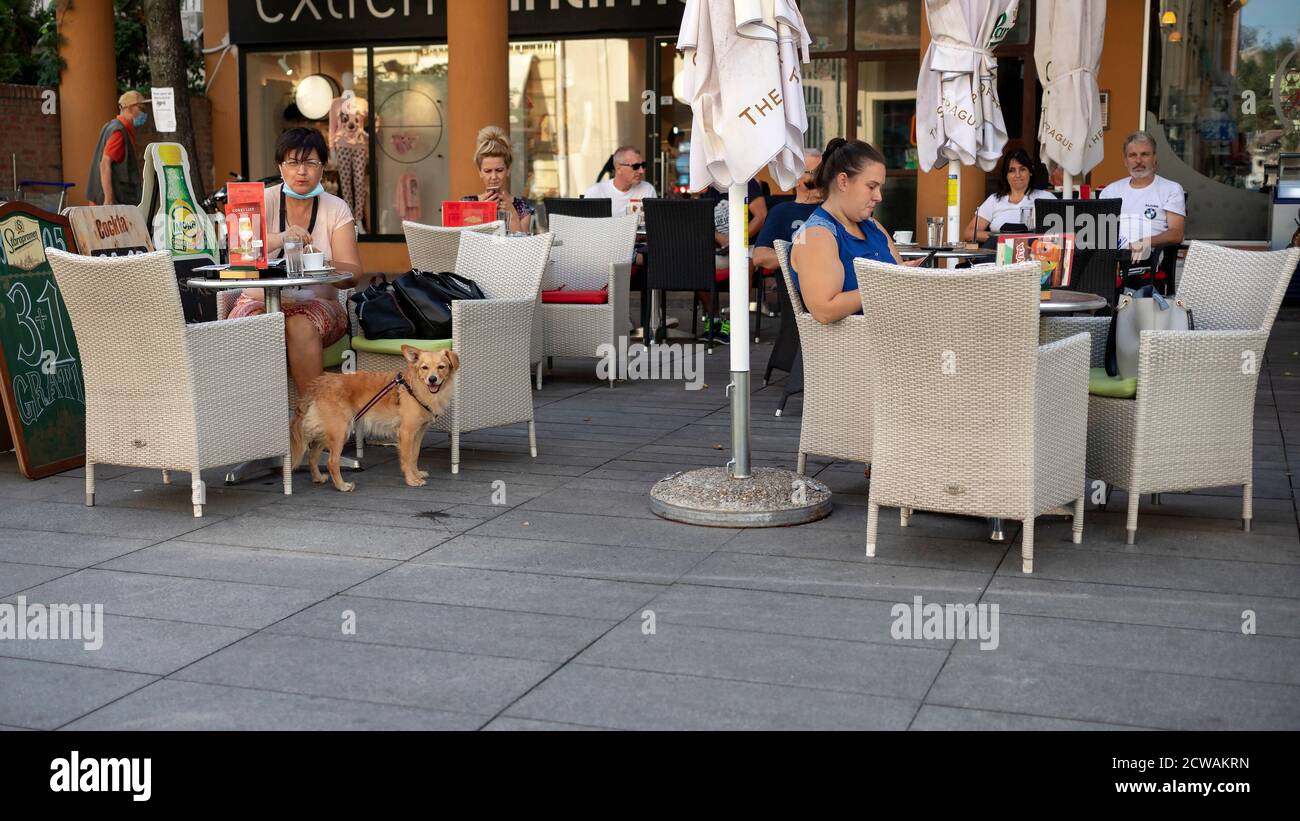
(542, 593)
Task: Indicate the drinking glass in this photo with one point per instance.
(293, 257)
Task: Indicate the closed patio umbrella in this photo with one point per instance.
(1067, 51)
(959, 116)
(744, 83)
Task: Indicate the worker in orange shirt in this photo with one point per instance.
(115, 175)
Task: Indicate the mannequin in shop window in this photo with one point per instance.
(350, 145)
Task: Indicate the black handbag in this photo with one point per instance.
(381, 315)
(427, 299)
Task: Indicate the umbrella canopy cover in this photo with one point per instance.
(956, 92)
(745, 86)
(1067, 51)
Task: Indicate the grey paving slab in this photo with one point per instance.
(601, 502)
(173, 498)
(15, 578)
(1209, 575)
(1160, 607)
(526, 592)
(950, 549)
(135, 645)
(638, 700)
(933, 717)
(1181, 650)
(201, 560)
(42, 696)
(314, 536)
(784, 614)
(453, 628)
(59, 517)
(508, 724)
(861, 579)
(1085, 693)
(201, 601)
(635, 564)
(439, 520)
(414, 677)
(901, 670)
(184, 705)
(63, 549)
(610, 530)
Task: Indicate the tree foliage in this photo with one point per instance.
(29, 44)
(131, 39)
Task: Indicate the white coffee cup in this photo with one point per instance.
(313, 261)
(903, 237)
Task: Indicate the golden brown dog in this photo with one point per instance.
(325, 412)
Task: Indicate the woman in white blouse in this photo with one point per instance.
(1017, 190)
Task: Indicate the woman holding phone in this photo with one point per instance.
(493, 156)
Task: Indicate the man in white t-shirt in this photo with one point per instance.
(1154, 212)
(627, 184)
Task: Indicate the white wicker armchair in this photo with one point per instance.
(980, 420)
(589, 254)
(162, 394)
(493, 337)
(1191, 424)
(837, 394)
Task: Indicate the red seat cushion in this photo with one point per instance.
(567, 297)
(722, 275)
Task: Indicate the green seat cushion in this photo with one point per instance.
(1101, 383)
(332, 356)
(393, 347)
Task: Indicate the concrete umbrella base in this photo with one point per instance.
(769, 498)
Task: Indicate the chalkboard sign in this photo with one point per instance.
(43, 392)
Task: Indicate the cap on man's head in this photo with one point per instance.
(132, 98)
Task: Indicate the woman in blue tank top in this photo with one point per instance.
(851, 174)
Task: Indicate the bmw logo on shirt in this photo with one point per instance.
(1150, 212)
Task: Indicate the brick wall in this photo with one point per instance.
(34, 137)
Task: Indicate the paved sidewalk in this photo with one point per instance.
(532, 614)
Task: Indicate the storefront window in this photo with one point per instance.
(826, 21)
(887, 120)
(572, 103)
(825, 87)
(887, 24)
(1212, 108)
(411, 164)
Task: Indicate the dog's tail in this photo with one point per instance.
(297, 445)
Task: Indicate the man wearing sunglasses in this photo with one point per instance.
(627, 184)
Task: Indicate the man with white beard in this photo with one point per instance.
(1154, 212)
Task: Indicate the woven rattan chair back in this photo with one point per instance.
(586, 247)
(504, 267)
(679, 234)
(955, 355)
(576, 207)
(434, 249)
(1230, 290)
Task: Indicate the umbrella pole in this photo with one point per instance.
(954, 201)
(737, 242)
(1067, 186)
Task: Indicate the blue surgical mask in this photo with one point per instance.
(140, 119)
(315, 192)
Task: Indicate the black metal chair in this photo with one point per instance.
(679, 257)
(1096, 266)
(786, 355)
(577, 206)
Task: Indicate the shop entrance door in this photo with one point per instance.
(668, 138)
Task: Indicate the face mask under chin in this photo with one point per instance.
(315, 192)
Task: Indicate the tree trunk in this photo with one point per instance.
(167, 69)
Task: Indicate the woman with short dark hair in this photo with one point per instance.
(851, 176)
(1018, 187)
(300, 208)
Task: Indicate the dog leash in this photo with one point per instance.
(399, 383)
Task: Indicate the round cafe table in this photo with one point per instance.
(249, 470)
(908, 252)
